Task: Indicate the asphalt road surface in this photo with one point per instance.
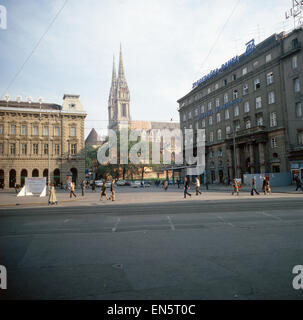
(191, 250)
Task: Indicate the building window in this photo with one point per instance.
(273, 119)
(297, 85)
(74, 149)
(228, 130)
(184, 117)
(300, 138)
(208, 90)
(203, 124)
(245, 89)
(299, 110)
(210, 121)
(46, 148)
(24, 130)
(13, 149)
(211, 137)
(46, 131)
(217, 102)
(256, 63)
(196, 112)
(274, 143)
(236, 111)
(123, 110)
(226, 98)
(235, 94)
(189, 115)
(1, 148)
(295, 62)
(248, 124)
(224, 82)
(57, 149)
(56, 131)
(234, 77)
(227, 115)
(260, 121)
(246, 107)
(24, 148)
(258, 102)
(73, 131)
(220, 153)
(244, 71)
(237, 125)
(218, 117)
(1, 129)
(13, 129)
(35, 131)
(209, 106)
(219, 134)
(271, 97)
(203, 108)
(268, 58)
(217, 86)
(212, 154)
(35, 148)
(270, 78)
(257, 84)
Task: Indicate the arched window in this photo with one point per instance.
(23, 176)
(74, 172)
(57, 177)
(35, 173)
(12, 178)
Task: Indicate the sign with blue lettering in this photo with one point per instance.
(250, 47)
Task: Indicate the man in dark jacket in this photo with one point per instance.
(186, 187)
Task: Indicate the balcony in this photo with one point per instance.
(247, 132)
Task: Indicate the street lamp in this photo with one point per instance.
(235, 153)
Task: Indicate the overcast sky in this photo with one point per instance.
(165, 47)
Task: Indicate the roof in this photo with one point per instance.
(93, 138)
(33, 105)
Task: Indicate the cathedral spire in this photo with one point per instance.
(114, 77)
(121, 67)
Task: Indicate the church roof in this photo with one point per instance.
(93, 138)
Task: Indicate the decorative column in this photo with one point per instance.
(261, 157)
(252, 158)
(230, 161)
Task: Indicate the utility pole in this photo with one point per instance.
(235, 153)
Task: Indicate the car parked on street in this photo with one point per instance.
(135, 184)
(121, 183)
(99, 183)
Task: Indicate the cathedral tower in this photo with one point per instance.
(119, 99)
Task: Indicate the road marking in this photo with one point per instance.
(171, 223)
(223, 220)
(271, 216)
(67, 220)
(114, 229)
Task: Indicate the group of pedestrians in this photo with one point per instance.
(187, 187)
(265, 187)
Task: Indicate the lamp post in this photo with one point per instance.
(235, 153)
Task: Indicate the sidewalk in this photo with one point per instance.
(126, 195)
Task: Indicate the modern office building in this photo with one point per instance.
(41, 140)
(251, 110)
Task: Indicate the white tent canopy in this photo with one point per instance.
(33, 187)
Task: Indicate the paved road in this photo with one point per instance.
(183, 250)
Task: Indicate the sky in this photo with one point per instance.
(167, 46)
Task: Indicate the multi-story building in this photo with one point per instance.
(251, 110)
(41, 140)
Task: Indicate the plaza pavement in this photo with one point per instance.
(127, 195)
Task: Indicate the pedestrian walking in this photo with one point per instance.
(112, 189)
(72, 190)
(298, 183)
(165, 185)
(103, 191)
(198, 186)
(186, 188)
(83, 186)
(266, 186)
(236, 187)
(17, 187)
(52, 199)
(94, 186)
(178, 183)
(254, 187)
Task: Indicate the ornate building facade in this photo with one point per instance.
(42, 140)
